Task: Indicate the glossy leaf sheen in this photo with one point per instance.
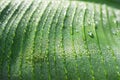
(59, 40)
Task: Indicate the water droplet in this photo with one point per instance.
(96, 26)
(34, 19)
(58, 45)
(81, 16)
(24, 20)
(89, 22)
(108, 47)
(90, 34)
(115, 21)
(77, 30)
(114, 32)
(96, 22)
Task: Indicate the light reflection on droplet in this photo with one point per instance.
(90, 34)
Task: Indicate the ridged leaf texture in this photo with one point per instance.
(59, 40)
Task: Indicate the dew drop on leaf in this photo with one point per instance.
(77, 30)
(90, 34)
(108, 47)
(89, 22)
(115, 21)
(96, 22)
(96, 26)
(114, 32)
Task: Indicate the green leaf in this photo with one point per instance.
(59, 40)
